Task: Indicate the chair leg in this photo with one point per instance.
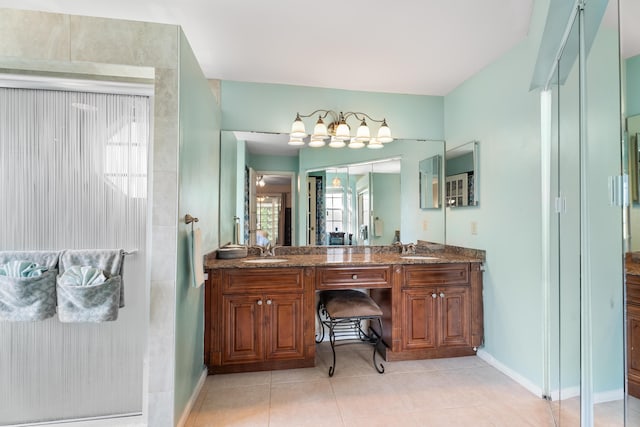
(375, 347)
(332, 341)
(321, 324)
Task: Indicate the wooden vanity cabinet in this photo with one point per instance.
(441, 310)
(633, 335)
(259, 319)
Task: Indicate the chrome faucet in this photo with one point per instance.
(267, 250)
(406, 248)
(409, 248)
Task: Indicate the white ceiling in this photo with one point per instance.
(423, 47)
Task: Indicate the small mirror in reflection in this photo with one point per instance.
(461, 181)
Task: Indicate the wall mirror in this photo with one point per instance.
(429, 172)
(355, 204)
(369, 190)
(461, 175)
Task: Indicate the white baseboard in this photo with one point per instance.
(566, 393)
(608, 396)
(192, 400)
(524, 382)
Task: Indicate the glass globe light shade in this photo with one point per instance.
(384, 133)
(363, 134)
(355, 143)
(316, 142)
(295, 141)
(336, 143)
(374, 144)
(297, 128)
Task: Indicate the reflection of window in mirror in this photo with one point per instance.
(268, 219)
(335, 209)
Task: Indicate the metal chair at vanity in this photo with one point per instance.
(343, 311)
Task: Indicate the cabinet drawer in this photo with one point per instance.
(353, 277)
(436, 274)
(633, 289)
(262, 279)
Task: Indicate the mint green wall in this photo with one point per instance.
(632, 89)
(272, 108)
(460, 164)
(496, 108)
(265, 163)
(198, 184)
(386, 206)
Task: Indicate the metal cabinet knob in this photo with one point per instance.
(354, 277)
(434, 296)
(441, 294)
(259, 302)
(268, 302)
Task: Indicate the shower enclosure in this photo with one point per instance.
(73, 175)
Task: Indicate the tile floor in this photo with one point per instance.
(462, 391)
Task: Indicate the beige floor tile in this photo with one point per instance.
(371, 419)
(238, 380)
(463, 417)
(303, 403)
(235, 406)
(532, 413)
(609, 414)
(361, 395)
(462, 391)
(319, 372)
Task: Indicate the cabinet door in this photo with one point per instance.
(633, 349)
(453, 316)
(419, 318)
(242, 328)
(284, 327)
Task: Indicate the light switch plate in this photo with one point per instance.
(474, 227)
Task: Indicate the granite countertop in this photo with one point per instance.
(344, 256)
(632, 263)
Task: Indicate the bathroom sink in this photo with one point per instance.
(264, 260)
(418, 257)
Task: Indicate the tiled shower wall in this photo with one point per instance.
(103, 47)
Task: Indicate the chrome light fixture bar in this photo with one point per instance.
(338, 132)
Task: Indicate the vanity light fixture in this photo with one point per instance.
(338, 132)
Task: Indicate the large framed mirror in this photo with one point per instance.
(462, 176)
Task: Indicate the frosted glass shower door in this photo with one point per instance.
(73, 175)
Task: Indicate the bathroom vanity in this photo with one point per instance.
(632, 270)
(260, 313)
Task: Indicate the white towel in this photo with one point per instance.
(378, 227)
(197, 264)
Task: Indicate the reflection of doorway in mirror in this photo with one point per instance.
(270, 208)
(311, 210)
(364, 216)
(269, 219)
